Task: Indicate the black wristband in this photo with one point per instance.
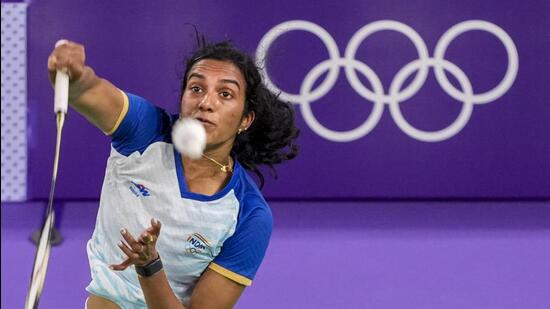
(150, 269)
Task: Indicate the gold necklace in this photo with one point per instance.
(224, 168)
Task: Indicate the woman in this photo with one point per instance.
(172, 232)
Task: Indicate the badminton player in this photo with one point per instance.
(172, 232)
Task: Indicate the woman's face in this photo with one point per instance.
(215, 95)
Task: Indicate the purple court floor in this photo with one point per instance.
(386, 255)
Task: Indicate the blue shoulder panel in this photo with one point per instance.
(243, 252)
(143, 125)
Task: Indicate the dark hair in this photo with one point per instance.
(271, 137)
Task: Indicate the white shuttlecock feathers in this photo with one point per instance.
(189, 137)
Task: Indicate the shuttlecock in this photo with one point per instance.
(189, 137)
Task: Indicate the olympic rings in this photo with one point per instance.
(395, 94)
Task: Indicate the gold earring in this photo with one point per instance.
(239, 131)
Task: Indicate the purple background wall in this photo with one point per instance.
(502, 152)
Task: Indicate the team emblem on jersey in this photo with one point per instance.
(139, 189)
(196, 244)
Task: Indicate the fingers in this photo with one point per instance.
(132, 243)
(155, 227)
(132, 254)
(140, 251)
(121, 266)
(52, 65)
(151, 233)
(68, 56)
(147, 239)
(131, 257)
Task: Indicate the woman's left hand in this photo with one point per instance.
(139, 252)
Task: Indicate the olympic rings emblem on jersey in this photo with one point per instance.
(395, 94)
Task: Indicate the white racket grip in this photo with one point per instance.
(61, 96)
(61, 100)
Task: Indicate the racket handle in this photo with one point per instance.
(61, 98)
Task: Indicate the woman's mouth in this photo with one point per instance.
(205, 122)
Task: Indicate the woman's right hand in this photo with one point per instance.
(69, 56)
(95, 98)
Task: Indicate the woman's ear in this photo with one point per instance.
(247, 121)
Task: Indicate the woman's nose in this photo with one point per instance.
(207, 103)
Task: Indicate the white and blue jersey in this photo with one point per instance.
(227, 232)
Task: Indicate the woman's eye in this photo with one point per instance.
(226, 94)
(196, 89)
